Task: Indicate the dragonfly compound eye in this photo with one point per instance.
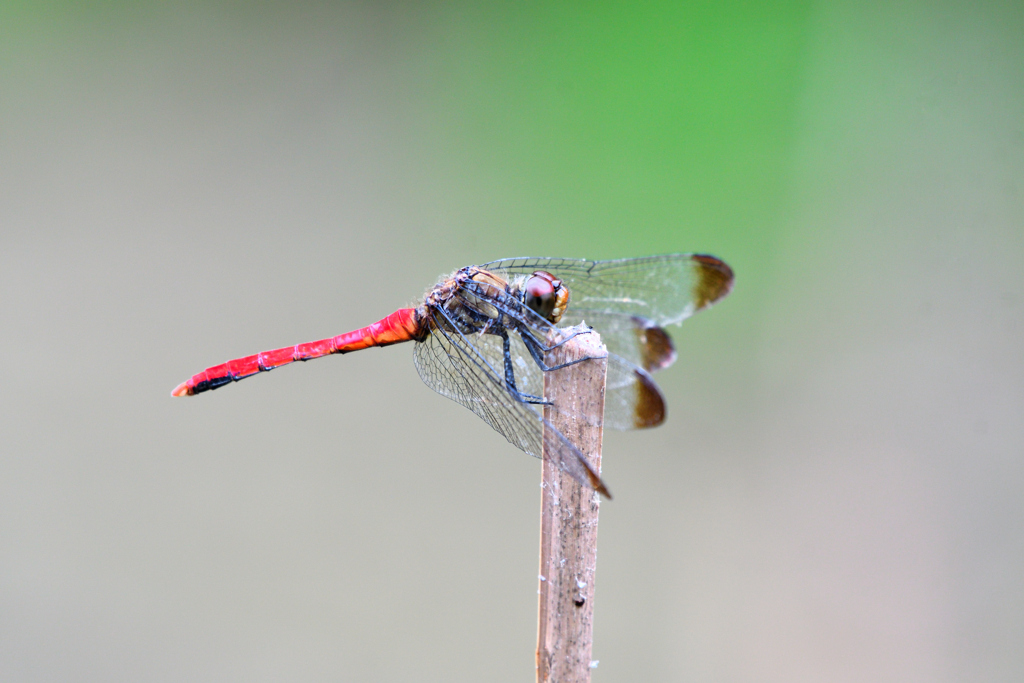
(546, 295)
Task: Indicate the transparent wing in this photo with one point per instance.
(636, 348)
(463, 368)
(663, 289)
(638, 340)
(632, 400)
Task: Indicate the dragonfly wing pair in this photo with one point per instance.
(629, 301)
(470, 369)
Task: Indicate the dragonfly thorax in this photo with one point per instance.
(479, 298)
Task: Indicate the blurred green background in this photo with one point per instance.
(835, 496)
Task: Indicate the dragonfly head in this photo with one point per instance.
(546, 296)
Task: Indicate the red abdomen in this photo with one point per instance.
(402, 325)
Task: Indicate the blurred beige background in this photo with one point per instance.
(837, 492)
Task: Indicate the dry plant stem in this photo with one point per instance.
(568, 531)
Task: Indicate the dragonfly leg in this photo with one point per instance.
(571, 336)
(537, 350)
(510, 375)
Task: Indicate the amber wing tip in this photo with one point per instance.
(598, 485)
(180, 390)
(714, 282)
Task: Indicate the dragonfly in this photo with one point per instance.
(482, 333)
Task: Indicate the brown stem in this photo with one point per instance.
(568, 534)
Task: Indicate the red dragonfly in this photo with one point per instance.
(481, 335)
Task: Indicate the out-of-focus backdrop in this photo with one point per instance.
(838, 491)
